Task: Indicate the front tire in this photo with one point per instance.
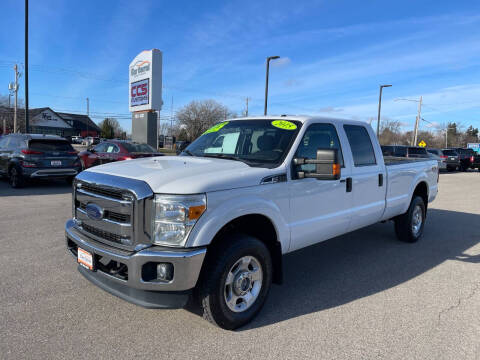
(236, 281)
(409, 226)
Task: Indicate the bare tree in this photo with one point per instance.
(197, 116)
(111, 128)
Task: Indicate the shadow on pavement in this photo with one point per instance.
(363, 263)
(36, 187)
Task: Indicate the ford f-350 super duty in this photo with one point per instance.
(213, 224)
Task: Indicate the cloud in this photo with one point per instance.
(329, 109)
(283, 61)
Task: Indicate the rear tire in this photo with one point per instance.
(15, 178)
(235, 281)
(409, 226)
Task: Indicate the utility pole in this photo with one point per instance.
(26, 68)
(379, 108)
(171, 120)
(88, 113)
(417, 120)
(246, 109)
(16, 99)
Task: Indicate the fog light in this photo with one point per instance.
(165, 271)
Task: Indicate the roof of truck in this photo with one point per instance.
(301, 118)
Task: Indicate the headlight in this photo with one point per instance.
(174, 217)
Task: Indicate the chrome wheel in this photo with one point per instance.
(417, 220)
(243, 284)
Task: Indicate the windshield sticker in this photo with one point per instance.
(215, 128)
(283, 124)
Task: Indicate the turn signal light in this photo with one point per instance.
(194, 212)
(336, 169)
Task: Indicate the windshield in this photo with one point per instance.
(133, 148)
(262, 143)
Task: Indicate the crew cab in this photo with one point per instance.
(214, 222)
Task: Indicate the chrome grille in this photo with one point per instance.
(124, 203)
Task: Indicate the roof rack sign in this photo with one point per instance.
(145, 81)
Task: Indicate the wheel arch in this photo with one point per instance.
(259, 226)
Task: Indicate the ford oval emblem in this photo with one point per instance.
(94, 211)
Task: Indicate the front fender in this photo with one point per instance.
(223, 207)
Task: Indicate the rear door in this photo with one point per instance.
(368, 174)
(320, 209)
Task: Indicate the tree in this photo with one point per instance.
(110, 128)
(197, 116)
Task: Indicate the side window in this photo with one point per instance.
(13, 143)
(101, 148)
(318, 136)
(401, 151)
(111, 148)
(361, 145)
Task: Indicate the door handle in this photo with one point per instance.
(380, 179)
(349, 184)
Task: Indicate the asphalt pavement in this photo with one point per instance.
(362, 296)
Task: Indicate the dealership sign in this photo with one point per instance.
(145, 81)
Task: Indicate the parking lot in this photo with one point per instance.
(362, 295)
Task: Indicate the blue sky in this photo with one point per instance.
(334, 55)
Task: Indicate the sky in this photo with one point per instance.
(333, 56)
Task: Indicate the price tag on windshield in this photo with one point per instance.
(215, 128)
(284, 124)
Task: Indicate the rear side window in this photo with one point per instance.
(450, 152)
(362, 148)
(50, 145)
(133, 148)
(434, 151)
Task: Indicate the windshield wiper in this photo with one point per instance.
(227, 157)
(188, 152)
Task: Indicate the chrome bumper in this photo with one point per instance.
(187, 263)
(53, 173)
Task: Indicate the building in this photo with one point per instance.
(46, 121)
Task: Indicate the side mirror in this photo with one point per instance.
(327, 165)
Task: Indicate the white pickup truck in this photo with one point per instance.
(213, 223)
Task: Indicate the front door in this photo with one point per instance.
(320, 209)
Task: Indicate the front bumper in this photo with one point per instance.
(187, 264)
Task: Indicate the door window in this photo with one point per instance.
(111, 148)
(318, 136)
(100, 148)
(361, 145)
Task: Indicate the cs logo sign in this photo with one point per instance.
(139, 92)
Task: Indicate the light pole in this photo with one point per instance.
(266, 81)
(380, 107)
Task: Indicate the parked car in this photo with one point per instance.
(452, 158)
(89, 141)
(476, 161)
(158, 231)
(31, 156)
(450, 163)
(466, 157)
(404, 151)
(77, 139)
(115, 150)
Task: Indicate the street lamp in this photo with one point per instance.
(380, 107)
(266, 81)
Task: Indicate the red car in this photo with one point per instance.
(115, 150)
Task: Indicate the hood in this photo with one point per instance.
(185, 174)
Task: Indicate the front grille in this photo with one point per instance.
(108, 192)
(106, 235)
(110, 215)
